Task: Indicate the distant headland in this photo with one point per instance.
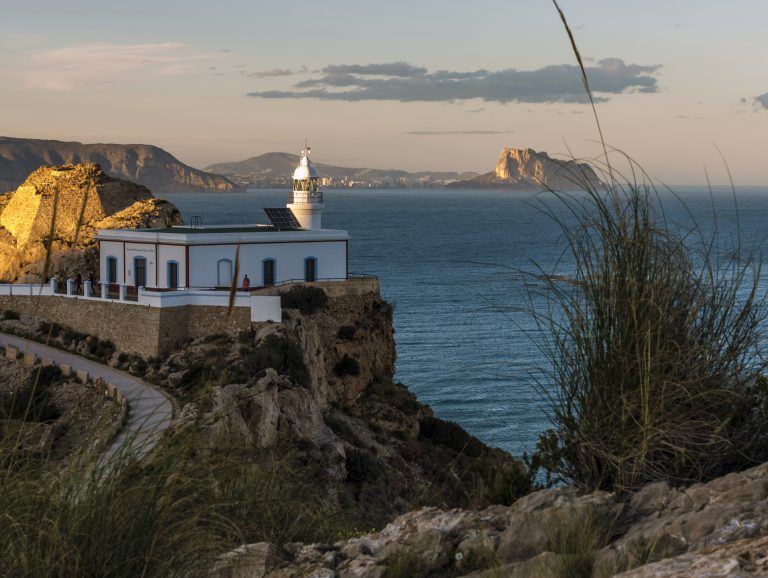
(529, 170)
(143, 164)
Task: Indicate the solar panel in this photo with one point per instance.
(282, 218)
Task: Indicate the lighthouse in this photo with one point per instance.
(306, 201)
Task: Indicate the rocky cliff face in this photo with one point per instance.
(321, 384)
(528, 170)
(147, 165)
(63, 207)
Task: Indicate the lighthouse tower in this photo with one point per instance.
(306, 201)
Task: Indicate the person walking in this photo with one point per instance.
(79, 283)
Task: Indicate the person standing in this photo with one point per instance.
(246, 282)
(79, 283)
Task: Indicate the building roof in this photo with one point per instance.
(221, 234)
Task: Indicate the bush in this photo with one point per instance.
(451, 435)
(34, 401)
(101, 349)
(361, 466)
(347, 366)
(306, 298)
(654, 350)
(281, 353)
(346, 332)
(50, 328)
(9, 315)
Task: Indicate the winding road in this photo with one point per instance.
(150, 410)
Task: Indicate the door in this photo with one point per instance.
(225, 273)
(173, 275)
(268, 272)
(140, 271)
(310, 269)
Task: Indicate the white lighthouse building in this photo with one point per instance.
(306, 201)
(293, 247)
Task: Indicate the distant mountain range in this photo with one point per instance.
(275, 169)
(146, 165)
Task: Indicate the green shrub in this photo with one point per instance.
(451, 435)
(654, 350)
(347, 366)
(50, 328)
(361, 466)
(281, 353)
(9, 315)
(101, 349)
(346, 333)
(33, 402)
(306, 298)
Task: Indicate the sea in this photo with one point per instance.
(460, 268)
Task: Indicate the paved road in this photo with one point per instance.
(150, 410)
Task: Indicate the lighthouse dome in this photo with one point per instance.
(304, 171)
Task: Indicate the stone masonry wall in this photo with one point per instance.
(147, 331)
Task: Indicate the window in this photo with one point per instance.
(140, 271)
(310, 269)
(173, 275)
(112, 270)
(224, 273)
(268, 272)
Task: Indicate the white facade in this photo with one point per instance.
(180, 257)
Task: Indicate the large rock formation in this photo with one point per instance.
(147, 165)
(528, 170)
(62, 208)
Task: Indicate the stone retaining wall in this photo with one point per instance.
(147, 331)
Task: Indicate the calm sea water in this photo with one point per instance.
(454, 263)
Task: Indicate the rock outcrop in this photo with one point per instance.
(147, 165)
(322, 382)
(717, 529)
(63, 207)
(528, 170)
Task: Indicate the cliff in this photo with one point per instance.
(528, 170)
(318, 387)
(78, 200)
(146, 165)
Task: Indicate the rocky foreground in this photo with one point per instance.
(79, 199)
(717, 529)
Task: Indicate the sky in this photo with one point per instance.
(680, 85)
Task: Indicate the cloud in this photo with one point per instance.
(400, 81)
(399, 69)
(277, 72)
(79, 66)
(462, 132)
(762, 100)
